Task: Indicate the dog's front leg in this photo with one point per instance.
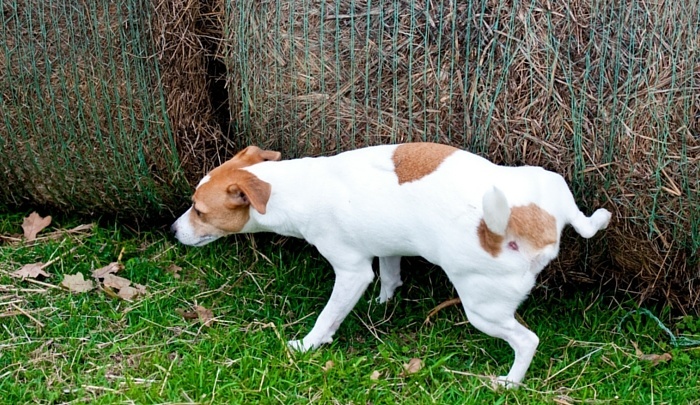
(350, 283)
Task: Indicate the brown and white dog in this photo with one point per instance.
(491, 228)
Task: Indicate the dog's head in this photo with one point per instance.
(221, 203)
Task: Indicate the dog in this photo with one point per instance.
(491, 228)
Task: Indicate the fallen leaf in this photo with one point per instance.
(112, 281)
(174, 270)
(76, 283)
(128, 293)
(329, 365)
(33, 224)
(131, 292)
(413, 366)
(33, 270)
(186, 314)
(375, 375)
(653, 358)
(206, 316)
(111, 268)
(656, 358)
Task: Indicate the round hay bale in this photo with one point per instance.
(601, 91)
(103, 105)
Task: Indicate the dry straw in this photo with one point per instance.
(605, 92)
(103, 104)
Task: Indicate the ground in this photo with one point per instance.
(212, 324)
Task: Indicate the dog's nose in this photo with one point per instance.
(173, 227)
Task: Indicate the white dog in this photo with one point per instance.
(491, 228)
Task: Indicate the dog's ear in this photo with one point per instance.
(253, 155)
(267, 155)
(249, 190)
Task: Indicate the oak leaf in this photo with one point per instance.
(206, 316)
(174, 269)
(413, 366)
(653, 358)
(77, 283)
(33, 224)
(111, 268)
(33, 270)
(112, 281)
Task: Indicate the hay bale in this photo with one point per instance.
(102, 104)
(603, 92)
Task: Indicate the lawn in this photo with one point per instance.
(212, 325)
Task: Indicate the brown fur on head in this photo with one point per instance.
(222, 199)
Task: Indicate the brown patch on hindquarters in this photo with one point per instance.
(528, 223)
(413, 161)
(534, 225)
(490, 241)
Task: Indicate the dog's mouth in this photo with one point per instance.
(205, 240)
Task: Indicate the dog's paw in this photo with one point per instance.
(383, 298)
(298, 346)
(503, 382)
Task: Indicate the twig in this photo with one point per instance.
(434, 311)
(28, 315)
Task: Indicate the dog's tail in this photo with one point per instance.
(496, 211)
(589, 226)
(497, 214)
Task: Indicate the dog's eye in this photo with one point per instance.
(196, 211)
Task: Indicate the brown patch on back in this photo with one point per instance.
(413, 161)
(533, 224)
(490, 242)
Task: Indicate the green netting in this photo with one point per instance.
(603, 91)
(88, 119)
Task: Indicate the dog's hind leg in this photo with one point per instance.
(389, 276)
(495, 316)
(350, 282)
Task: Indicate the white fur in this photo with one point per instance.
(496, 211)
(352, 208)
(204, 180)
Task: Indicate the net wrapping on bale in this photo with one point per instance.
(99, 100)
(602, 91)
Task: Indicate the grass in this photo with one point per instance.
(61, 347)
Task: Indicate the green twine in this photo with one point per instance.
(676, 341)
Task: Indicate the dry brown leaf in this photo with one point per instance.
(108, 269)
(187, 314)
(174, 269)
(413, 366)
(375, 375)
(33, 224)
(206, 316)
(653, 358)
(33, 270)
(77, 283)
(112, 281)
(128, 293)
(329, 365)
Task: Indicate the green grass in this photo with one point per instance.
(265, 290)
